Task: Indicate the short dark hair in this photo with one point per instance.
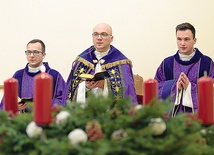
(37, 41)
(186, 26)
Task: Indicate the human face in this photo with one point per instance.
(35, 60)
(102, 43)
(185, 42)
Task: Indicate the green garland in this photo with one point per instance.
(102, 119)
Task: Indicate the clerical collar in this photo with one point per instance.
(34, 70)
(184, 57)
(99, 55)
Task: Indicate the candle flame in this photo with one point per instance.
(42, 68)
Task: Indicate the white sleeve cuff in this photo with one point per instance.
(187, 97)
(81, 92)
(105, 88)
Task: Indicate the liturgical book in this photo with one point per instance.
(96, 77)
(24, 100)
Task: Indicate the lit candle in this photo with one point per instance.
(11, 95)
(43, 86)
(150, 92)
(205, 100)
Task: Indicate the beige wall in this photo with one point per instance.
(144, 30)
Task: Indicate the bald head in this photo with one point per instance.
(103, 26)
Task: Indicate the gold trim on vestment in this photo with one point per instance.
(116, 63)
(85, 62)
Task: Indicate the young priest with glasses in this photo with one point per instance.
(35, 53)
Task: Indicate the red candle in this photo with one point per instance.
(11, 95)
(205, 100)
(150, 91)
(43, 86)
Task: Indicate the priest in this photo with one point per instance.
(35, 53)
(102, 56)
(177, 75)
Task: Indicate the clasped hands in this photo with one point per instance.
(182, 82)
(94, 84)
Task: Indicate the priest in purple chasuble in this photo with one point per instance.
(35, 53)
(114, 62)
(26, 81)
(177, 75)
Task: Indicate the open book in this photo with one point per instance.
(96, 77)
(24, 100)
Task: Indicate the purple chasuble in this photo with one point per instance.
(121, 83)
(171, 67)
(26, 84)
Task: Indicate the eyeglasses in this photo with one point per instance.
(102, 35)
(35, 53)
